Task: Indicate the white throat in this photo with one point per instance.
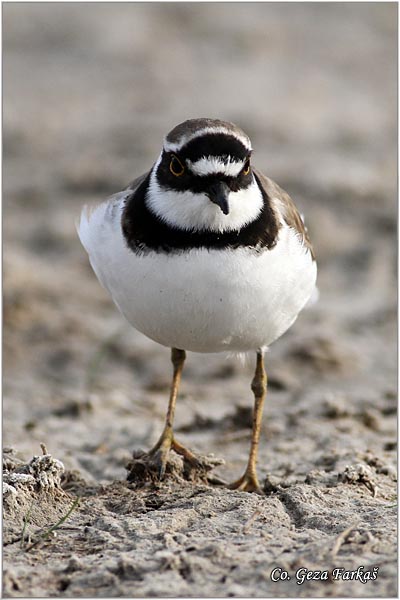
(196, 212)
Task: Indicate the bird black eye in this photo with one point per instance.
(176, 167)
(246, 168)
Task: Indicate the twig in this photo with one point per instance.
(251, 520)
(340, 540)
(46, 534)
(44, 449)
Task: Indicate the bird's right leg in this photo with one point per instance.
(160, 451)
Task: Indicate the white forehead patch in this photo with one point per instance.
(211, 165)
(185, 139)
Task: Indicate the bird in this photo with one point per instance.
(204, 253)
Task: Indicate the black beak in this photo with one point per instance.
(219, 194)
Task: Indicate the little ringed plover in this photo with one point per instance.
(204, 253)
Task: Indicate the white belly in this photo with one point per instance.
(203, 301)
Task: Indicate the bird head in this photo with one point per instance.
(203, 179)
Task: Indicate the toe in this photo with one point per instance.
(247, 483)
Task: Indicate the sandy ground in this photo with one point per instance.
(89, 92)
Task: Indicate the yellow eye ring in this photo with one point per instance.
(176, 167)
(246, 168)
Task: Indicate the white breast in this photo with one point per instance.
(201, 300)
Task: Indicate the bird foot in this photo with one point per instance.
(161, 452)
(159, 462)
(247, 483)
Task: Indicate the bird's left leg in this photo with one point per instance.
(249, 481)
(167, 441)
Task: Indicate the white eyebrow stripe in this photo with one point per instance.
(210, 165)
(175, 147)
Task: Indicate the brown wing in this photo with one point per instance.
(112, 202)
(283, 204)
(136, 182)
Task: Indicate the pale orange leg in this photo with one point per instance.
(161, 450)
(249, 480)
